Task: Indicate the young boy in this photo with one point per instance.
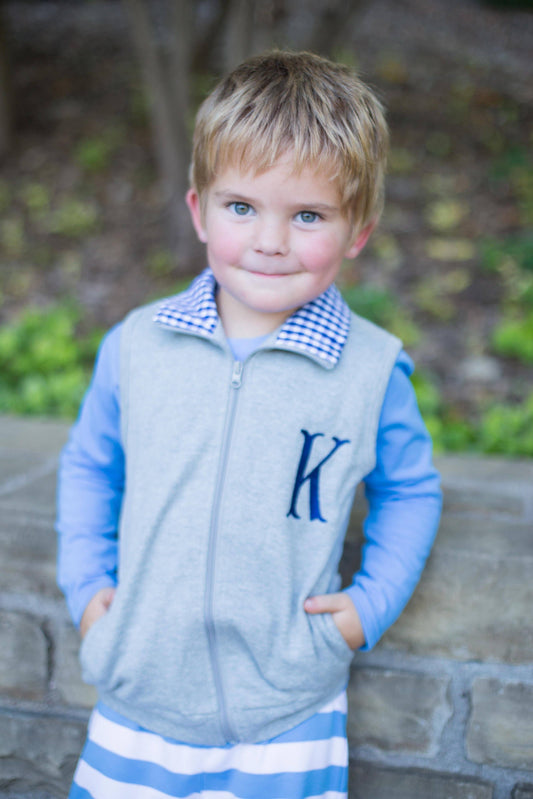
(207, 485)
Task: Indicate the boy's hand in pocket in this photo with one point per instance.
(97, 607)
(344, 615)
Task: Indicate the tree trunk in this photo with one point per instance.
(168, 96)
(238, 33)
(6, 120)
(331, 24)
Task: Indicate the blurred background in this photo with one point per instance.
(97, 102)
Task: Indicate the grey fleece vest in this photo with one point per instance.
(239, 485)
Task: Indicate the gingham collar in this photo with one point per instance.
(318, 329)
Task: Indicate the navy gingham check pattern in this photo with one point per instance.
(193, 311)
(318, 329)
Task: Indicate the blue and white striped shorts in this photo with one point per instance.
(123, 761)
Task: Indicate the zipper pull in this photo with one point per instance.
(236, 377)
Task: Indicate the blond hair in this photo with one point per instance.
(301, 103)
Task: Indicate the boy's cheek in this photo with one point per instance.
(224, 249)
(321, 255)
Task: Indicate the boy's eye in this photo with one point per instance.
(308, 216)
(241, 209)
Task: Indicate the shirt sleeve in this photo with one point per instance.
(90, 487)
(404, 500)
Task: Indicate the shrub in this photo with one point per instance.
(74, 218)
(508, 429)
(44, 365)
(513, 337)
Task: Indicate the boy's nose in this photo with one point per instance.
(271, 238)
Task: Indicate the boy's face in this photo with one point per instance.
(275, 241)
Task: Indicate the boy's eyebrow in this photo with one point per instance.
(229, 194)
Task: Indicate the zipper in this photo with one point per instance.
(235, 383)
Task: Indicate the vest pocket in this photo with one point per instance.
(93, 654)
(333, 655)
(312, 659)
(335, 637)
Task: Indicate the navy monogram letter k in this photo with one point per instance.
(313, 476)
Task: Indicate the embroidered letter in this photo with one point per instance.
(313, 476)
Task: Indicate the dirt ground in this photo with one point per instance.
(457, 79)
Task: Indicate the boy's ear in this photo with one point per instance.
(360, 240)
(193, 202)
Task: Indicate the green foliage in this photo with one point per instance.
(403, 326)
(401, 161)
(449, 431)
(44, 367)
(385, 247)
(74, 218)
(435, 293)
(36, 198)
(445, 214)
(94, 153)
(5, 196)
(503, 429)
(139, 112)
(508, 429)
(450, 249)
(371, 302)
(392, 67)
(176, 288)
(427, 394)
(496, 252)
(512, 261)
(460, 98)
(12, 236)
(161, 263)
(379, 307)
(515, 167)
(439, 144)
(509, 163)
(513, 337)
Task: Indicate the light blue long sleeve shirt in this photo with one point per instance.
(402, 490)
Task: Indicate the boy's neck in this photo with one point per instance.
(240, 321)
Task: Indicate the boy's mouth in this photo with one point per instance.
(268, 274)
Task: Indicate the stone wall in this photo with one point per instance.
(442, 708)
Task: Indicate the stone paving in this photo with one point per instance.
(442, 708)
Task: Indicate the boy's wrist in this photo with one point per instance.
(97, 607)
(344, 614)
(79, 601)
(365, 615)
